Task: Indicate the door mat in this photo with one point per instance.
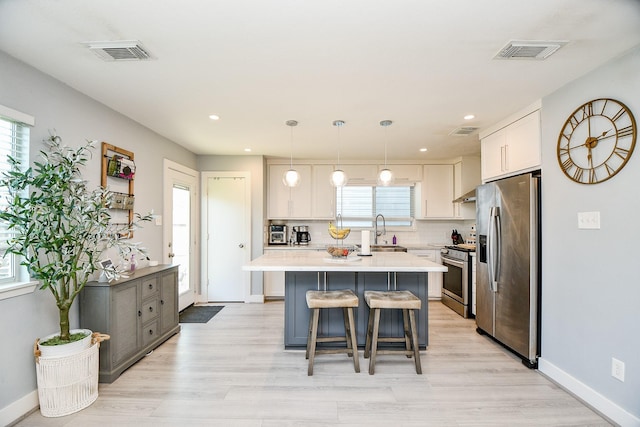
(199, 313)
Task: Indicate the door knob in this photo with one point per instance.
(241, 246)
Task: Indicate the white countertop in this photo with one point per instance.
(297, 260)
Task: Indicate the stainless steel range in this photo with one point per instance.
(456, 283)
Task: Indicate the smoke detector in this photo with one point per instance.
(463, 131)
(518, 49)
(121, 50)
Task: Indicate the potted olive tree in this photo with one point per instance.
(60, 228)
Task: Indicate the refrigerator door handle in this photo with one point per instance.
(494, 247)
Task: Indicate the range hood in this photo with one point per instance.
(467, 197)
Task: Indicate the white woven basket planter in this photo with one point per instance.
(68, 384)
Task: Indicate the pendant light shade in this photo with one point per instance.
(291, 177)
(385, 176)
(338, 177)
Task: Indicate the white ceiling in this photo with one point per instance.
(258, 63)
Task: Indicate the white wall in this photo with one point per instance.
(76, 118)
(591, 290)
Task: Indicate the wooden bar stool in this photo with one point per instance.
(402, 300)
(344, 299)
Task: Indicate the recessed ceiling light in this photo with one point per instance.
(248, 150)
(214, 117)
(469, 117)
(423, 149)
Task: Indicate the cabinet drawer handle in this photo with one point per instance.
(161, 302)
(150, 331)
(150, 285)
(150, 309)
(139, 313)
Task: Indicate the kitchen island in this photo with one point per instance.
(317, 270)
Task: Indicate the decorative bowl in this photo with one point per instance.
(338, 233)
(340, 251)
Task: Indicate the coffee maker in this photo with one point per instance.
(300, 235)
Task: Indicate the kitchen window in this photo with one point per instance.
(358, 205)
(14, 142)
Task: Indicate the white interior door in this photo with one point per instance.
(228, 222)
(181, 228)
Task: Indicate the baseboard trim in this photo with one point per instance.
(256, 299)
(19, 409)
(591, 397)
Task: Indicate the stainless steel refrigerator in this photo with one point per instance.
(508, 270)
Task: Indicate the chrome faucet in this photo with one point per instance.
(384, 229)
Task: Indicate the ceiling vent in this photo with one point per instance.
(529, 49)
(463, 131)
(123, 50)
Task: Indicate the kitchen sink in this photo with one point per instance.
(386, 248)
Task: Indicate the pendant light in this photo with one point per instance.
(385, 176)
(338, 177)
(291, 177)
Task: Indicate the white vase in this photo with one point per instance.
(65, 349)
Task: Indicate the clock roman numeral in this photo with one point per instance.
(574, 122)
(592, 176)
(568, 164)
(577, 175)
(609, 169)
(563, 151)
(604, 106)
(625, 131)
(621, 152)
(587, 110)
(619, 114)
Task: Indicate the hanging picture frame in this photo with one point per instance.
(118, 173)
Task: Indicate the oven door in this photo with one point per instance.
(454, 281)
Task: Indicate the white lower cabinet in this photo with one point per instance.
(435, 279)
(273, 282)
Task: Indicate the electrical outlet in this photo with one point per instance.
(617, 369)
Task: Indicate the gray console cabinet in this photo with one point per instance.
(139, 313)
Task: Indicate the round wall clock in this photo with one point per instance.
(596, 141)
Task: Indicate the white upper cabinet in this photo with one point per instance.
(511, 149)
(289, 202)
(466, 178)
(323, 199)
(437, 192)
(360, 173)
(404, 173)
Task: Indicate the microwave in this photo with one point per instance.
(277, 234)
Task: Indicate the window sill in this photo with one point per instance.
(17, 289)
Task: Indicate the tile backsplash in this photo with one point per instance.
(426, 232)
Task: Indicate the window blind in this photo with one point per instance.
(359, 205)
(14, 142)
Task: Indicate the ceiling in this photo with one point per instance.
(422, 64)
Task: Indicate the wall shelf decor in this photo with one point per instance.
(118, 171)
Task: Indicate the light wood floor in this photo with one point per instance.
(233, 371)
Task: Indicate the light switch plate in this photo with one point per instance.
(158, 219)
(589, 220)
